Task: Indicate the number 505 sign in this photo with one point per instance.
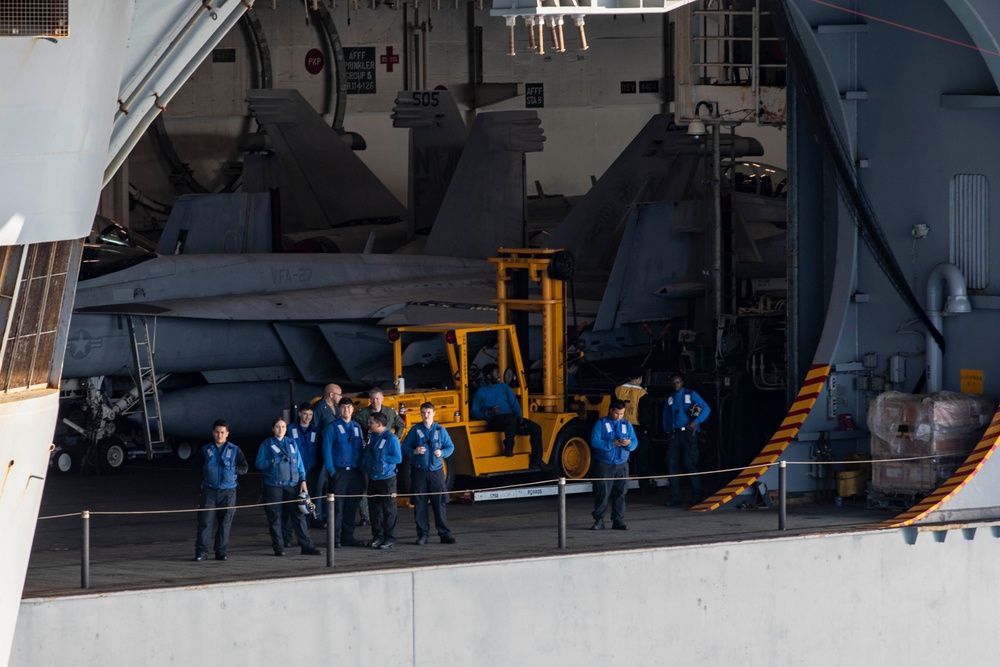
(427, 98)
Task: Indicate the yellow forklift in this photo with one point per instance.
(530, 283)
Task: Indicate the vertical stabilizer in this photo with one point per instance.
(484, 207)
(658, 165)
(437, 137)
(657, 269)
(222, 223)
(322, 183)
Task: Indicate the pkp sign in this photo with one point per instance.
(314, 61)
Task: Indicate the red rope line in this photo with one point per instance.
(905, 27)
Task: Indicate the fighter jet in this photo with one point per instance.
(230, 331)
(191, 330)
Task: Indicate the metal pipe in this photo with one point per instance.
(580, 23)
(159, 102)
(418, 66)
(85, 551)
(562, 512)
(949, 275)
(425, 52)
(125, 105)
(782, 492)
(755, 60)
(407, 75)
(331, 540)
(717, 220)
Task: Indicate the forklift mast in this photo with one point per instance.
(533, 281)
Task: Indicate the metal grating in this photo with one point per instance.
(36, 287)
(969, 241)
(34, 18)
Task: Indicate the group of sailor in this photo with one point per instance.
(626, 428)
(354, 456)
(330, 449)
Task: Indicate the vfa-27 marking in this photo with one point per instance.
(283, 276)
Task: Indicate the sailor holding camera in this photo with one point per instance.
(684, 411)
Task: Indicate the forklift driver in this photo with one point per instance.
(496, 403)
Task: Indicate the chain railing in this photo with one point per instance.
(330, 500)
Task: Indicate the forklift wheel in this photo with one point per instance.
(571, 454)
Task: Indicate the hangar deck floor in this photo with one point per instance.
(138, 551)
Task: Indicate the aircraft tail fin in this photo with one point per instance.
(657, 235)
(323, 184)
(220, 223)
(483, 209)
(437, 137)
(661, 164)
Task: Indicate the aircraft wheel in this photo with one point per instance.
(111, 455)
(184, 450)
(64, 461)
(571, 454)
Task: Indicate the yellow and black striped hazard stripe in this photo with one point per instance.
(973, 464)
(789, 428)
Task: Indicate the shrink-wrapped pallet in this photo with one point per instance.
(944, 426)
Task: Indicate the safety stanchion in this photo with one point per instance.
(562, 512)
(85, 551)
(330, 539)
(782, 493)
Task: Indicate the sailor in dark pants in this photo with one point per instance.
(283, 479)
(343, 444)
(304, 435)
(221, 462)
(394, 423)
(611, 441)
(682, 414)
(325, 411)
(496, 403)
(380, 459)
(427, 445)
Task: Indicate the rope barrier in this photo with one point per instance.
(505, 487)
(329, 500)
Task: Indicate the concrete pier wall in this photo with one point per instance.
(840, 599)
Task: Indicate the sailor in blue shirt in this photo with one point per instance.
(306, 436)
(611, 441)
(343, 443)
(427, 445)
(380, 458)
(496, 403)
(283, 479)
(394, 421)
(221, 462)
(684, 411)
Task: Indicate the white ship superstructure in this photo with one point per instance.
(66, 70)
